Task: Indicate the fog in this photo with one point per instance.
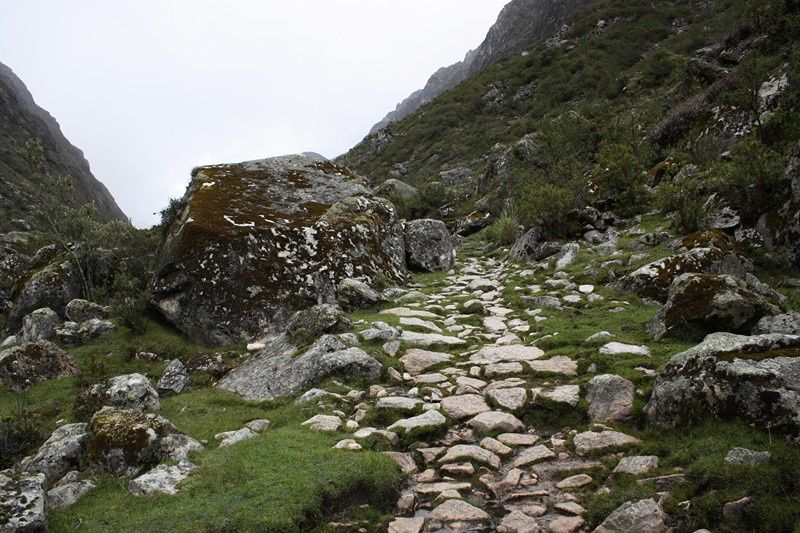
(150, 89)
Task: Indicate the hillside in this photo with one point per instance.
(520, 24)
(631, 93)
(21, 121)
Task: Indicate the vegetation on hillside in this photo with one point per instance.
(613, 113)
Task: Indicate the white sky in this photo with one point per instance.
(149, 89)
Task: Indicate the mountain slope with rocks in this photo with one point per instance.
(520, 24)
(593, 326)
(22, 121)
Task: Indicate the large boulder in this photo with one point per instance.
(429, 247)
(707, 252)
(277, 372)
(699, 304)
(126, 441)
(40, 325)
(30, 363)
(393, 189)
(530, 247)
(788, 324)
(755, 378)
(129, 391)
(63, 452)
(610, 398)
(53, 286)
(22, 502)
(79, 311)
(257, 241)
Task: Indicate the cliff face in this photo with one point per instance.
(520, 24)
(21, 120)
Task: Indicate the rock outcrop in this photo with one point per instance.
(277, 371)
(732, 376)
(708, 252)
(699, 304)
(260, 240)
(23, 366)
(429, 247)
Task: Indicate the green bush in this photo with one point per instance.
(751, 180)
(684, 201)
(20, 433)
(503, 231)
(546, 205)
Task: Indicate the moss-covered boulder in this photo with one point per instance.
(755, 378)
(257, 241)
(30, 363)
(53, 286)
(126, 441)
(706, 252)
(699, 304)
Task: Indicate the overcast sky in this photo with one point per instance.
(149, 89)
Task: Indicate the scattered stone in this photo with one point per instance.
(416, 360)
(512, 398)
(349, 445)
(404, 461)
(277, 372)
(618, 348)
(565, 524)
(68, 491)
(534, 455)
(174, 380)
(458, 511)
(398, 402)
(568, 394)
(162, 479)
(636, 465)
(428, 420)
(610, 398)
(506, 354)
(420, 323)
(80, 311)
(407, 525)
(517, 439)
(430, 339)
(464, 406)
(229, 438)
(353, 294)
(743, 456)
(635, 517)
(323, 423)
(574, 482)
(591, 441)
(786, 324)
(496, 421)
(518, 522)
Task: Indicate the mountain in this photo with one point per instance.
(520, 24)
(20, 121)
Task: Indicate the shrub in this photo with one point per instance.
(546, 205)
(685, 200)
(751, 180)
(20, 434)
(503, 231)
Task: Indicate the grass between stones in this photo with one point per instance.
(287, 479)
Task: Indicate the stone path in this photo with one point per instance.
(469, 363)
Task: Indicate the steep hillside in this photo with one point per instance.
(608, 111)
(520, 24)
(21, 121)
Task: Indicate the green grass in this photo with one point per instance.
(699, 452)
(288, 479)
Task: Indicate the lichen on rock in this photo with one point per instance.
(260, 240)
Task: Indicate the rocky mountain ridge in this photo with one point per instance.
(520, 24)
(22, 120)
